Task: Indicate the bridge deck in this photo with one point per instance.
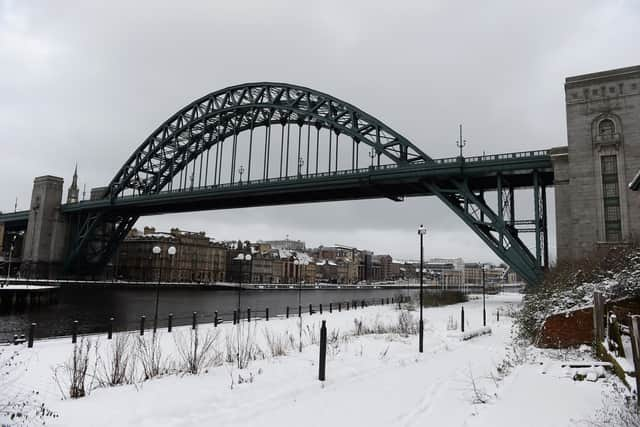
(391, 181)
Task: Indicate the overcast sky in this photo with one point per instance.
(87, 82)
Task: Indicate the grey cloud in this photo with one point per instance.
(87, 82)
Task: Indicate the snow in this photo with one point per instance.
(372, 380)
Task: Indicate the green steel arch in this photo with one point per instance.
(221, 114)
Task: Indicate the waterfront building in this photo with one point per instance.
(198, 258)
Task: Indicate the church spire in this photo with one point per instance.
(72, 194)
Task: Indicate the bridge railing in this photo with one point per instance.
(304, 176)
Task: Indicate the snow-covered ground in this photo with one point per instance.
(372, 380)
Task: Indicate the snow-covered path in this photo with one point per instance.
(372, 380)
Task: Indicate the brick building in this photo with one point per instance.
(197, 258)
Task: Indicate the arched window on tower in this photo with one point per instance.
(606, 128)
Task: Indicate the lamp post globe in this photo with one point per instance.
(421, 232)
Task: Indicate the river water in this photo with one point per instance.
(92, 307)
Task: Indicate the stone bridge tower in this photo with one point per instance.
(594, 206)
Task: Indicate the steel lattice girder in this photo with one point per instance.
(490, 227)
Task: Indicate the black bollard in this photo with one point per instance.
(462, 319)
(299, 311)
(497, 315)
(347, 305)
(215, 319)
(310, 309)
(234, 317)
(142, 318)
(193, 320)
(266, 313)
(287, 312)
(362, 304)
(339, 307)
(170, 322)
(74, 333)
(320, 308)
(32, 332)
(330, 307)
(323, 351)
(110, 332)
(249, 315)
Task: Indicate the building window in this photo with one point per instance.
(606, 127)
(611, 197)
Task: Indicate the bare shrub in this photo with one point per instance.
(71, 376)
(277, 344)
(241, 346)
(151, 357)
(407, 325)
(117, 365)
(197, 351)
(478, 393)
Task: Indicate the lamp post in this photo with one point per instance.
(461, 143)
(421, 231)
(13, 241)
(296, 263)
(241, 171)
(242, 257)
(484, 311)
(157, 251)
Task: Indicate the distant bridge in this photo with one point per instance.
(288, 144)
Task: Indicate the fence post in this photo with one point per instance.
(635, 347)
(330, 307)
(320, 308)
(462, 318)
(194, 320)
(287, 312)
(215, 319)
(299, 311)
(598, 317)
(74, 333)
(110, 332)
(310, 309)
(249, 314)
(266, 311)
(347, 305)
(234, 317)
(170, 322)
(142, 324)
(32, 332)
(323, 350)
(362, 304)
(498, 314)
(339, 307)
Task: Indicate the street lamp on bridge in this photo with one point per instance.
(242, 258)
(157, 251)
(461, 143)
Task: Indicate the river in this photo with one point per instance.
(92, 307)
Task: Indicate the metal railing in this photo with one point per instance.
(418, 164)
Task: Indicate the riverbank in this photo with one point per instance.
(373, 379)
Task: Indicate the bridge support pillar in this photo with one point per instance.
(1, 237)
(44, 241)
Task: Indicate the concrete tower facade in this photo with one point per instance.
(44, 240)
(593, 206)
